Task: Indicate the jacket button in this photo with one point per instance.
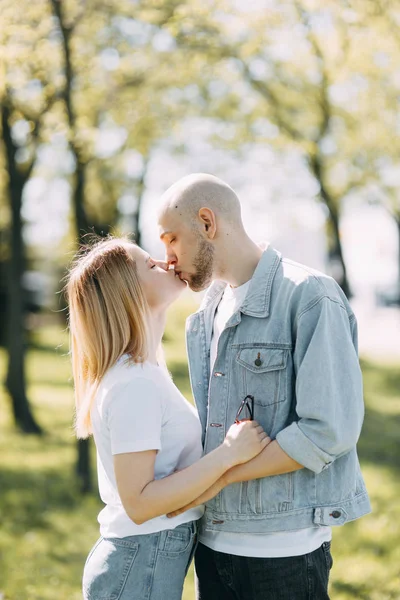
(336, 514)
(218, 374)
(258, 362)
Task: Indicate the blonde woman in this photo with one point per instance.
(147, 436)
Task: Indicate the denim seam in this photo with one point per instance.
(315, 301)
(267, 345)
(273, 514)
(127, 570)
(310, 589)
(152, 564)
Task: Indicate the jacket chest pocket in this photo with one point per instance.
(263, 373)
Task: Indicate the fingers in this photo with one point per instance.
(175, 513)
(264, 442)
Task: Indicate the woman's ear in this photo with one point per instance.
(208, 222)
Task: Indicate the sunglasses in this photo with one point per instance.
(247, 408)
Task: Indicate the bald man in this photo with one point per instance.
(275, 341)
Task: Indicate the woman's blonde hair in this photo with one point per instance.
(108, 316)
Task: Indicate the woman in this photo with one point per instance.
(147, 436)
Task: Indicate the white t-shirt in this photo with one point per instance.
(138, 407)
(270, 545)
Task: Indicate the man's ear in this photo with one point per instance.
(208, 222)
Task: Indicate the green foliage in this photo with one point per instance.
(47, 528)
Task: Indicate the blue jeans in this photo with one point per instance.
(223, 576)
(140, 567)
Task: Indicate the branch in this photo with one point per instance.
(35, 118)
(264, 90)
(325, 106)
(66, 32)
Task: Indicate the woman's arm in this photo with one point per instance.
(271, 461)
(144, 498)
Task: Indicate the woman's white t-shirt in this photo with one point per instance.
(137, 407)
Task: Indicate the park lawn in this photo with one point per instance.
(47, 527)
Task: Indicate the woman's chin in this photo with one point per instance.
(177, 292)
(182, 286)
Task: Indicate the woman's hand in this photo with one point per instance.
(244, 441)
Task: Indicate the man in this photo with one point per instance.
(276, 341)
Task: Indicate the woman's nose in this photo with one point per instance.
(163, 264)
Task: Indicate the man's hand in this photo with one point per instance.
(207, 495)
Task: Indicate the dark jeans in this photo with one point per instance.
(223, 576)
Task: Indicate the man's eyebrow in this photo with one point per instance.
(164, 233)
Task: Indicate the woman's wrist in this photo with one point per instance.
(224, 458)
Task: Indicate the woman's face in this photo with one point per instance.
(160, 286)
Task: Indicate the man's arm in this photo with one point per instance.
(271, 461)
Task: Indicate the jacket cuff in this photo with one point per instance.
(299, 447)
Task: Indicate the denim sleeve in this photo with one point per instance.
(329, 391)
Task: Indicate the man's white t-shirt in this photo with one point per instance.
(138, 407)
(271, 545)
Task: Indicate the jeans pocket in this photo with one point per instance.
(177, 541)
(107, 568)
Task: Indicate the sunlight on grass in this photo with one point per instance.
(47, 527)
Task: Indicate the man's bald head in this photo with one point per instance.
(188, 195)
(200, 224)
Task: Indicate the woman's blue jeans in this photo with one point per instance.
(140, 567)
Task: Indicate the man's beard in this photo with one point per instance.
(203, 264)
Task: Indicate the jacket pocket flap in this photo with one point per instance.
(261, 360)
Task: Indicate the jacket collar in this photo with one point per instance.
(257, 301)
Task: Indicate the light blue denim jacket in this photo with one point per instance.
(293, 346)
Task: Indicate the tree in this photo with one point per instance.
(26, 97)
(97, 45)
(292, 76)
(378, 32)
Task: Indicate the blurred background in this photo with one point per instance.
(103, 105)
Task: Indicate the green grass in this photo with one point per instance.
(47, 527)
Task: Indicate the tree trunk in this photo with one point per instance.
(336, 252)
(397, 218)
(140, 193)
(15, 380)
(335, 245)
(78, 196)
(83, 470)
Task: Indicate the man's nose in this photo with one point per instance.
(170, 258)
